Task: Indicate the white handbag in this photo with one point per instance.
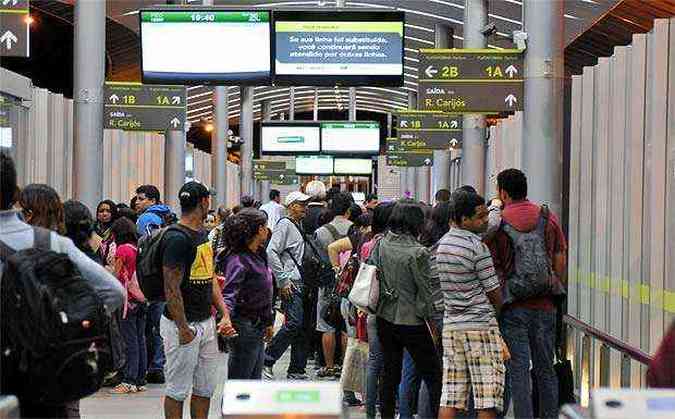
(365, 293)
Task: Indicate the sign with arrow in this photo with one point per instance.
(14, 28)
(430, 130)
(399, 154)
(137, 107)
(471, 80)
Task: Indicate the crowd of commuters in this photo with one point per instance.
(452, 334)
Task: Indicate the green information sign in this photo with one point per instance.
(400, 154)
(138, 107)
(298, 396)
(471, 80)
(203, 16)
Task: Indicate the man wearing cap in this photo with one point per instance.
(284, 253)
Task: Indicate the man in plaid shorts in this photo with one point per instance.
(472, 345)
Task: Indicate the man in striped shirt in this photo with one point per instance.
(472, 344)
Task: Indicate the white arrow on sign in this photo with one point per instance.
(7, 38)
(454, 124)
(454, 142)
(175, 100)
(427, 162)
(404, 124)
(431, 71)
(511, 71)
(282, 177)
(511, 99)
(114, 98)
(175, 122)
(6, 2)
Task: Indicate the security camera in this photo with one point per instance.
(520, 39)
(489, 29)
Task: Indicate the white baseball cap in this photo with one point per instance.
(296, 196)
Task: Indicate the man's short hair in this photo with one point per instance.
(371, 197)
(150, 192)
(466, 188)
(465, 204)
(442, 195)
(191, 194)
(341, 203)
(8, 184)
(274, 194)
(513, 182)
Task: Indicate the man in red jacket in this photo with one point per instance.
(528, 324)
(661, 372)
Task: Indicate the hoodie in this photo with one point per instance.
(152, 219)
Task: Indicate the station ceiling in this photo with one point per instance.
(123, 47)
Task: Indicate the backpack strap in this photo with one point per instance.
(544, 214)
(510, 231)
(333, 231)
(42, 238)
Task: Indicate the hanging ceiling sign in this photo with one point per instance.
(471, 80)
(138, 107)
(14, 28)
(275, 171)
(400, 155)
(430, 130)
(430, 140)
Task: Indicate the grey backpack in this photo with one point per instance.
(532, 274)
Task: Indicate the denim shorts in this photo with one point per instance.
(321, 325)
(192, 366)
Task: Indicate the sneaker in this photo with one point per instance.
(268, 373)
(155, 377)
(352, 402)
(124, 388)
(337, 371)
(141, 388)
(326, 373)
(297, 376)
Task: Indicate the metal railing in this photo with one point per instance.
(628, 353)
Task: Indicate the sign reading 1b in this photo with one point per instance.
(471, 80)
(138, 107)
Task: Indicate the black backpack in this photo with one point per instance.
(316, 269)
(149, 262)
(55, 347)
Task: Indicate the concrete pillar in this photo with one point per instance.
(352, 103)
(219, 143)
(246, 134)
(543, 108)
(475, 19)
(291, 104)
(441, 169)
(174, 167)
(411, 175)
(266, 185)
(89, 75)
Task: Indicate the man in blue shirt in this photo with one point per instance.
(153, 214)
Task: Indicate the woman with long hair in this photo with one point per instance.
(106, 214)
(247, 291)
(41, 206)
(79, 227)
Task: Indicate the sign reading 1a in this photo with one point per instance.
(138, 107)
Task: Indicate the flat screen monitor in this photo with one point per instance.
(290, 138)
(350, 137)
(363, 167)
(314, 165)
(338, 47)
(206, 46)
(359, 197)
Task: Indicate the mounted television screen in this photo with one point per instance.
(290, 138)
(314, 165)
(202, 46)
(338, 47)
(350, 137)
(362, 167)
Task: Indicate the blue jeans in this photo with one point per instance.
(530, 336)
(292, 333)
(408, 390)
(248, 350)
(133, 330)
(375, 367)
(156, 356)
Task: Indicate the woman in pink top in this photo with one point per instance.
(134, 313)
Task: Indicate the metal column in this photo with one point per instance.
(265, 185)
(174, 167)
(441, 168)
(89, 75)
(543, 119)
(246, 134)
(411, 175)
(316, 104)
(352, 103)
(291, 104)
(475, 19)
(219, 143)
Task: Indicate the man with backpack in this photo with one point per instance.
(285, 253)
(189, 289)
(529, 253)
(333, 231)
(40, 361)
(153, 215)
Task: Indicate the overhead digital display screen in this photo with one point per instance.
(353, 167)
(337, 47)
(206, 47)
(314, 165)
(290, 138)
(350, 137)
